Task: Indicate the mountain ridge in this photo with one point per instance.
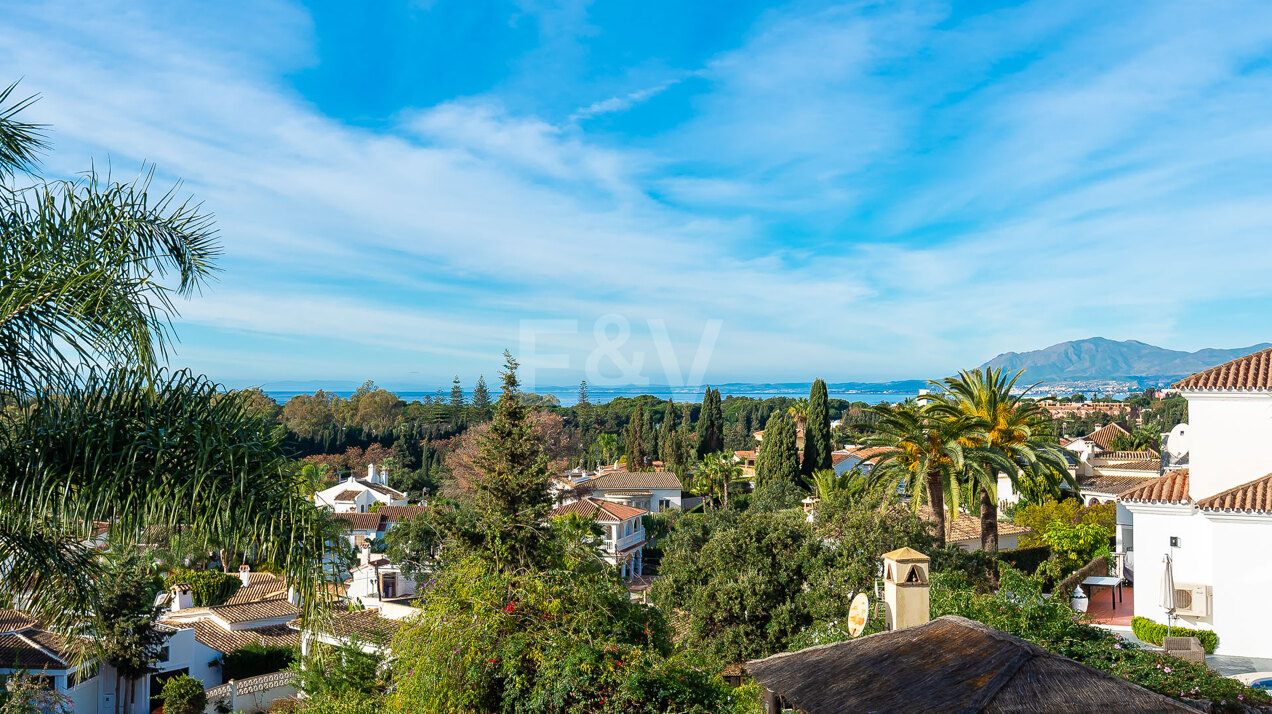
(1102, 358)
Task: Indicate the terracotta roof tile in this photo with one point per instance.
(864, 453)
(264, 586)
(1255, 496)
(247, 612)
(1146, 465)
(967, 525)
(393, 514)
(601, 511)
(1129, 455)
(348, 494)
(1103, 437)
(1254, 371)
(222, 640)
(15, 621)
(1112, 485)
(1170, 487)
(381, 488)
(361, 625)
(633, 480)
(360, 521)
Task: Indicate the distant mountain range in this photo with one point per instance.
(1098, 358)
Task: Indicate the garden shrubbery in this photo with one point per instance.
(254, 659)
(208, 588)
(1153, 632)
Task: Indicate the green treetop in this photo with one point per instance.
(817, 446)
(778, 459)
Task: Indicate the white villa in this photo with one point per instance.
(26, 647)
(1214, 518)
(624, 532)
(356, 495)
(650, 491)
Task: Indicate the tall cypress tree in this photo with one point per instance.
(634, 438)
(778, 459)
(817, 446)
(649, 441)
(481, 399)
(667, 436)
(710, 424)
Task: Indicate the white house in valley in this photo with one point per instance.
(356, 495)
(1214, 518)
(25, 647)
(624, 538)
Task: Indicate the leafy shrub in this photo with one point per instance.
(1072, 547)
(1026, 559)
(207, 587)
(183, 695)
(1038, 518)
(1153, 632)
(254, 659)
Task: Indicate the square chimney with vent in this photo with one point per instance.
(906, 588)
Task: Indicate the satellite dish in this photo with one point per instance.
(1177, 441)
(858, 614)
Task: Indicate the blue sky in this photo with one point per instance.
(853, 191)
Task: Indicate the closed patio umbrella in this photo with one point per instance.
(1167, 596)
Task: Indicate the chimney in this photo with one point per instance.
(372, 475)
(180, 598)
(245, 574)
(364, 552)
(906, 588)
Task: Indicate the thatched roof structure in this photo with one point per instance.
(950, 664)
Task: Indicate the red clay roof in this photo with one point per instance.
(1255, 496)
(393, 514)
(348, 494)
(360, 521)
(603, 511)
(1171, 487)
(1254, 371)
(1103, 437)
(633, 480)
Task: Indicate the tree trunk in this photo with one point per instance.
(936, 500)
(726, 493)
(988, 521)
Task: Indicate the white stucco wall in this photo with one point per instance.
(1242, 583)
(84, 698)
(1228, 435)
(1154, 526)
(200, 669)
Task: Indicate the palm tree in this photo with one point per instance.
(799, 412)
(827, 485)
(90, 429)
(925, 446)
(1015, 439)
(714, 474)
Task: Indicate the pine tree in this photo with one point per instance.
(778, 459)
(126, 620)
(817, 446)
(456, 400)
(583, 399)
(710, 424)
(511, 493)
(481, 399)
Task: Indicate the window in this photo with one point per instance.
(628, 528)
(664, 504)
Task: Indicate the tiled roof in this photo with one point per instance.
(263, 610)
(1171, 487)
(627, 492)
(14, 621)
(1147, 465)
(348, 494)
(264, 586)
(1254, 371)
(967, 525)
(1129, 455)
(226, 641)
(381, 488)
(360, 521)
(33, 650)
(251, 685)
(633, 480)
(1103, 437)
(361, 625)
(393, 514)
(1255, 496)
(1113, 485)
(601, 511)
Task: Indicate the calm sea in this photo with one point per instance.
(600, 395)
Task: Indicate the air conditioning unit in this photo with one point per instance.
(1192, 600)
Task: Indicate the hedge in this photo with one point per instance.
(1153, 632)
(254, 659)
(1026, 559)
(207, 587)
